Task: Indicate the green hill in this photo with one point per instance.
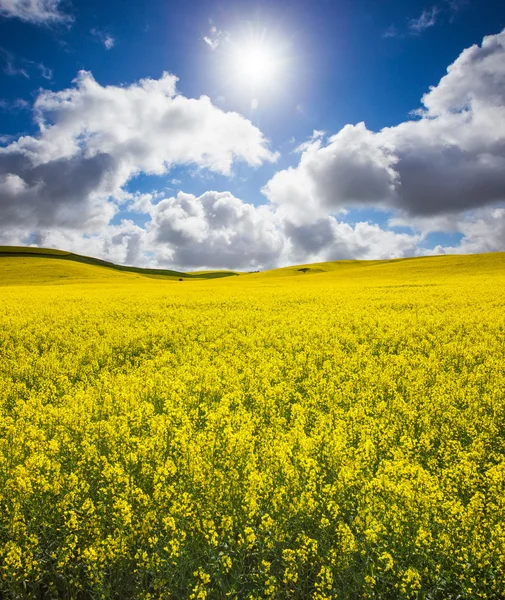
(21, 265)
(18, 266)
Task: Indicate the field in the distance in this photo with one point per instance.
(338, 432)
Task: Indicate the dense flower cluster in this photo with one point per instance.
(327, 435)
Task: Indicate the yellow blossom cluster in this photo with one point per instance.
(334, 433)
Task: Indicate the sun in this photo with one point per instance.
(256, 59)
(255, 63)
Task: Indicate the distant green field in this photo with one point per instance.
(51, 271)
(26, 266)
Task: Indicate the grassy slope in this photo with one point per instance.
(29, 266)
(419, 264)
(428, 270)
(17, 263)
(36, 270)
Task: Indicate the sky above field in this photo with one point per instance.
(248, 135)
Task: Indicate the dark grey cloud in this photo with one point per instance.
(449, 180)
(450, 159)
(313, 238)
(53, 194)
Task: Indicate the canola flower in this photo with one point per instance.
(339, 434)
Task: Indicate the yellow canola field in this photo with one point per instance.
(338, 433)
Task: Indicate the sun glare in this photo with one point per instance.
(254, 64)
(255, 60)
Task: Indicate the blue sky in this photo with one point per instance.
(336, 64)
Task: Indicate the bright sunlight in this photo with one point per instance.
(255, 63)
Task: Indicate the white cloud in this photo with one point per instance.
(450, 160)
(482, 230)
(327, 239)
(215, 230)
(426, 19)
(456, 6)
(475, 81)
(10, 66)
(121, 244)
(444, 171)
(353, 167)
(13, 105)
(147, 126)
(214, 37)
(93, 139)
(45, 72)
(104, 38)
(39, 12)
(445, 10)
(13, 65)
(186, 238)
(391, 32)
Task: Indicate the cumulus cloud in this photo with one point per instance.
(66, 192)
(93, 139)
(218, 230)
(122, 244)
(441, 171)
(481, 230)
(39, 12)
(215, 230)
(353, 166)
(147, 126)
(474, 81)
(328, 239)
(450, 159)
